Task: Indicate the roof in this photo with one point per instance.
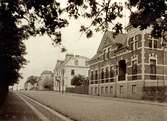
(109, 39)
(46, 72)
(67, 59)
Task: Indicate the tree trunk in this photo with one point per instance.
(3, 93)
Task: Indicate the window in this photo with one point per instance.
(96, 75)
(107, 74)
(133, 89)
(91, 90)
(122, 70)
(131, 45)
(111, 89)
(153, 43)
(136, 45)
(134, 70)
(72, 72)
(76, 62)
(150, 43)
(152, 69)
(91, 75)
(102, 76)
(138, 37)
(106, 90)
(102, 90)
(121, 89)
(96, 90)
(111, 74)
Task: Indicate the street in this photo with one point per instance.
(92, 108)
(21, 108)
(69, 107)
(14, 109)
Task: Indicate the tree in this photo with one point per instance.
(32, 79)
(102, 13)
(46, 83)
(21, 19)
(18, 21)
(149, 13)
(78, 80)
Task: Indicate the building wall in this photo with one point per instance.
(78, 70)
(129, 88)
(63, 72)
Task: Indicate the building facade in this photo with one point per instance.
(65, 70)
(131, 65)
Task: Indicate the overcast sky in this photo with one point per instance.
(42, 55)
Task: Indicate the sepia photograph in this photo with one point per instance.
(83, 60)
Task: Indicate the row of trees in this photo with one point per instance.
(21, 19)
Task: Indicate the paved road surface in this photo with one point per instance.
(88, 108)
(14, 109)
(21, 108)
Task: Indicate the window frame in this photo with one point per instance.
(72, 72)
(153, 69)
(134, 69)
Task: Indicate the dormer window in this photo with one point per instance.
(152, 43)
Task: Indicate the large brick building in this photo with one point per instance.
(131, 65)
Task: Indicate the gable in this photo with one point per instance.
(106, 41)
(109, 40)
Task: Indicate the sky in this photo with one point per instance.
(42, 55)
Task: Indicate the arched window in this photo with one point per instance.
(122, 70)
(107, 74)
(111, 74)
(102, 75)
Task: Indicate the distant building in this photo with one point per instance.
(67, 69)
(132, 65)
(46, 80)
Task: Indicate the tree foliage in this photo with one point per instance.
(78, 80)
(32, 79)
(47, 83)
(21, 19)
(149, 13)
(102, 13)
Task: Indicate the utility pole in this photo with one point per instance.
(62, 80)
